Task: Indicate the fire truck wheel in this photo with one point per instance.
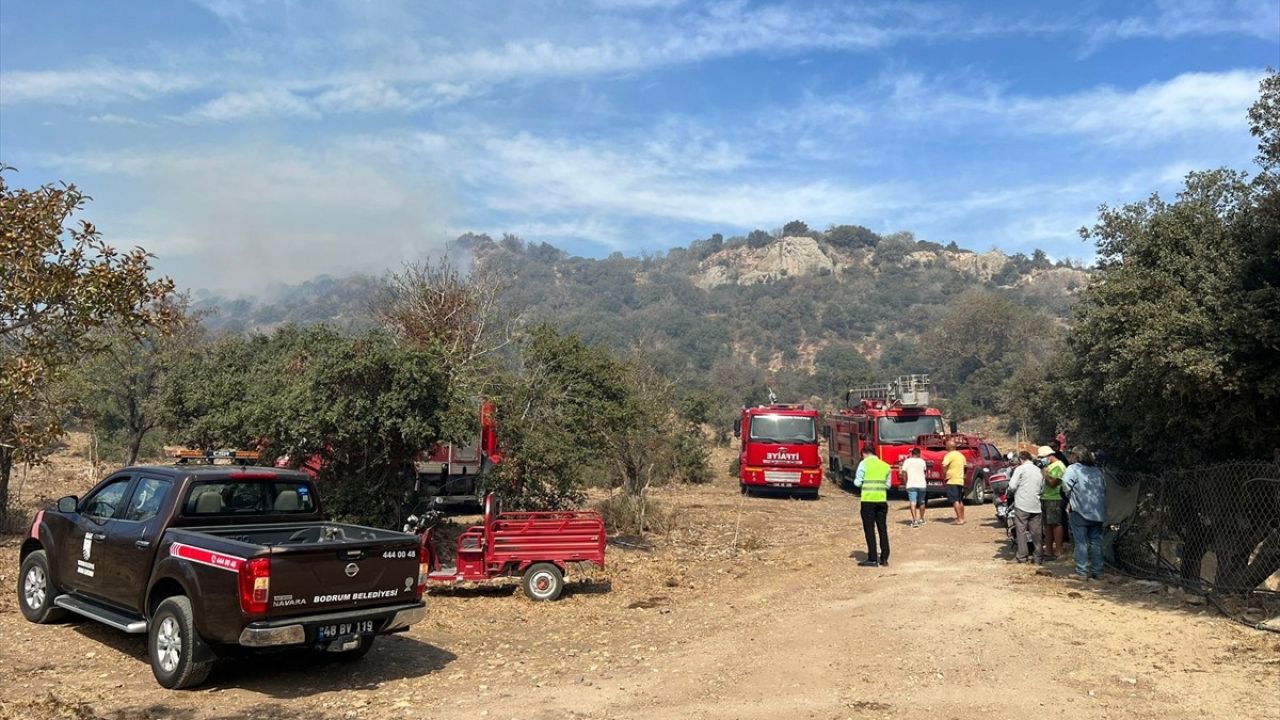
(742, 488)
(543, 581)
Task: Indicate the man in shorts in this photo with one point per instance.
(914, 468)
(953, 467)
(1051, 501)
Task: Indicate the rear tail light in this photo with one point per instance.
(424, 565)
(255, 585)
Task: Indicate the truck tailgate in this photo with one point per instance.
(342, 576)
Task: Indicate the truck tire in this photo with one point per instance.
(543, 581)
(979, 493)
(36, 591)
(171, 644)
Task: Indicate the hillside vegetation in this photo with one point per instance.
(803, 311)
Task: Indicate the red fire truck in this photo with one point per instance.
(445, 475)
(779, 449)
(895, 417)
(449, 474)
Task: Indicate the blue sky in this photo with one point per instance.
(244, 141)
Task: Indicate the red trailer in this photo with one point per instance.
(536, 546)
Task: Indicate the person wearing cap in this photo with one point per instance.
(1051, 501)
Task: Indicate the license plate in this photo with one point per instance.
(328, 632)
(784, 479)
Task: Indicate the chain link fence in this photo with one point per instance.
(1211, 530)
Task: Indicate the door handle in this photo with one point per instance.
(142, 544)
(99, 536)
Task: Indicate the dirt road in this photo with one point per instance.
(751, 608)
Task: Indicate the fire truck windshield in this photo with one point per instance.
(782, 429)
(903, 430)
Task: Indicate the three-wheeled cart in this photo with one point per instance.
(535, 546)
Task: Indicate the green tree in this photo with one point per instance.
(363, 404)
(551, 413)
(58, 282)
(118, 388)
(978, 345)
(1173, 355)
(758, 238)
(852, 236)
(795, 228)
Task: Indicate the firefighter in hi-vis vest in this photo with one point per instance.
(873, 477)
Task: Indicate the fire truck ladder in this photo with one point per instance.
(907, 391)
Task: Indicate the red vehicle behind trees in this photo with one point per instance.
(449, 473)
(779, 449)
(895, 417)
(446, 474)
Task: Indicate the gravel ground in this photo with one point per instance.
(748, 608)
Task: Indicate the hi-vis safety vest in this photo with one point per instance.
(875, 480)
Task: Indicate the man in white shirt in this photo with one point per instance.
(914, 468)
(1026, 484)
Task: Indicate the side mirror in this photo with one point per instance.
(68, 504)
(737, 428)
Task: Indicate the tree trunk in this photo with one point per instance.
(135, 445)
(6, 467)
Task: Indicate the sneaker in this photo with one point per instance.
(868, 563)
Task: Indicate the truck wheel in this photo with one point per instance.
(979, 495)
(36, 590)
(543, 581)
(171, 643)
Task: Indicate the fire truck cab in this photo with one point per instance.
(779, 449)
(887, 417)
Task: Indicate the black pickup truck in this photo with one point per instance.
(211, 560)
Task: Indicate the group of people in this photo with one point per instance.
(1048, 488)
(1044, 490)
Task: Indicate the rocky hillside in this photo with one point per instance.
(802, 309)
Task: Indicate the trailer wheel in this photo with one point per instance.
(172, 644)
(36, 590)
(543, 581)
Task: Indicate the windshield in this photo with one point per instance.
(903, 430)
(249, 497)
(782, 429)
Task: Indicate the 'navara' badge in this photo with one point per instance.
(352, 569)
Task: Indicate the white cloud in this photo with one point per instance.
(370, 96)
(102, 85)
(1172, 19)
(1186, 104)
(114, 119)
(255, 103)
(1192, 105)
